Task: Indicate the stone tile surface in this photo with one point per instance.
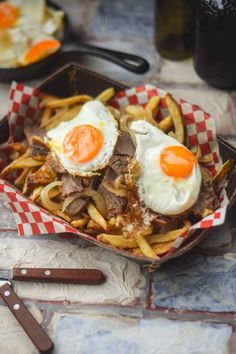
(136, 336)
(195, 282)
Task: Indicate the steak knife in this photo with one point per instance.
(54, 275)
(31, 327)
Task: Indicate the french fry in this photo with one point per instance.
(176, 115)
(63, 215)
(162, 248)
(62, 102)
(46, 99)
(159, 249)
(222, 173)
(172, 135)
(63, 117)
(20, 163)
(153, 105)
(136, 251)
(106, 95)
(93, 225)
(55, 119)
(36, 193)
(96, 216)
(144, 246)
(140, 114)
(166, 124)
(206, 175)
(28, 162)
(169, 236)
(80, 223)
(47, 114)
(198, 153)
(206, 212)
(22, 177)
(116, 114)
(118, 241)
(206, 159)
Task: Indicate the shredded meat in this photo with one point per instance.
(124, 145)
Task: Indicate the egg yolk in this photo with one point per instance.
(82, 143)
(177, 161)
(40, 50)
(8, 15)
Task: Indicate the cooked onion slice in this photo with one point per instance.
(45, 199)
(88, 192)
(119, 192)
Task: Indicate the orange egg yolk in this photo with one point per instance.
(177, 161)
(41, 50)
(82, 143)
(8, 15)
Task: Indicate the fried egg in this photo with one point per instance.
(29, 31)
(86, 143)
(170, 178)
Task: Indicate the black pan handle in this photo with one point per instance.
(130, 62)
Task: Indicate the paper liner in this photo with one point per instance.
(24, 110)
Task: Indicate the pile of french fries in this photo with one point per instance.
(141, 242)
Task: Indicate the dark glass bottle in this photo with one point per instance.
(174, 28)
(215, 48)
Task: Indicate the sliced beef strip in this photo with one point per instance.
(119, 164)
(73, 184)
(34, 131)
(77, 206)
(207, 199)
(115, 205)
(124, 145)
(55, 164)
(38, 147)
(163, 223)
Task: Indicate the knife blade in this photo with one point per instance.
(55, 275)
(31, 327)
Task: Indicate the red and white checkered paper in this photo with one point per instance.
(24, 110)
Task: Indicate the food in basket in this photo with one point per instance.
(124, 176)
(29, 31)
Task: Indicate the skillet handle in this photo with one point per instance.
(130, 62)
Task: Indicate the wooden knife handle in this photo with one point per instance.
(38, 336)
(62, 275)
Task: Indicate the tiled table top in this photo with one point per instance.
(188, 306)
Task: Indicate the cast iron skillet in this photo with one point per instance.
(130, 62)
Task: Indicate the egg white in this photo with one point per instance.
(159, 192)
(92, 113)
